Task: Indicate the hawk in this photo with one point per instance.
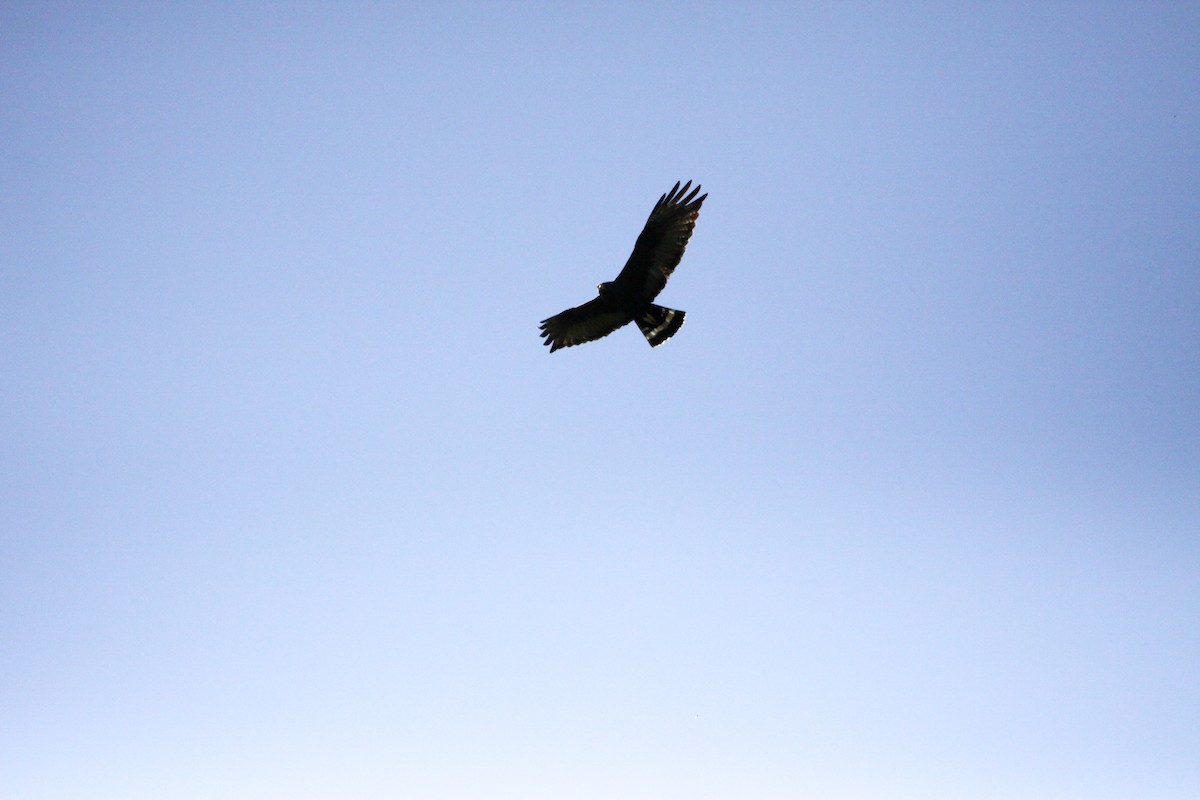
(628, 299)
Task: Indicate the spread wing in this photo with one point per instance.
(594, 319)
(661, 243)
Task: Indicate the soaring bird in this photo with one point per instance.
(628, 299)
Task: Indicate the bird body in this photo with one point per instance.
(628, 298)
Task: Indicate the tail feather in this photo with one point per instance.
(659, 324)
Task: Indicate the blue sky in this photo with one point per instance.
(295, 504)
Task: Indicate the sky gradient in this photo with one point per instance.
(293, 502)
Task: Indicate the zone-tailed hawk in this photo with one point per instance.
(628, 298)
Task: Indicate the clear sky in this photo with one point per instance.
(295, 504)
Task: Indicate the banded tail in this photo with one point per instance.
(659, 324)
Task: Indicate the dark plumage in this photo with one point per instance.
(629, 298)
